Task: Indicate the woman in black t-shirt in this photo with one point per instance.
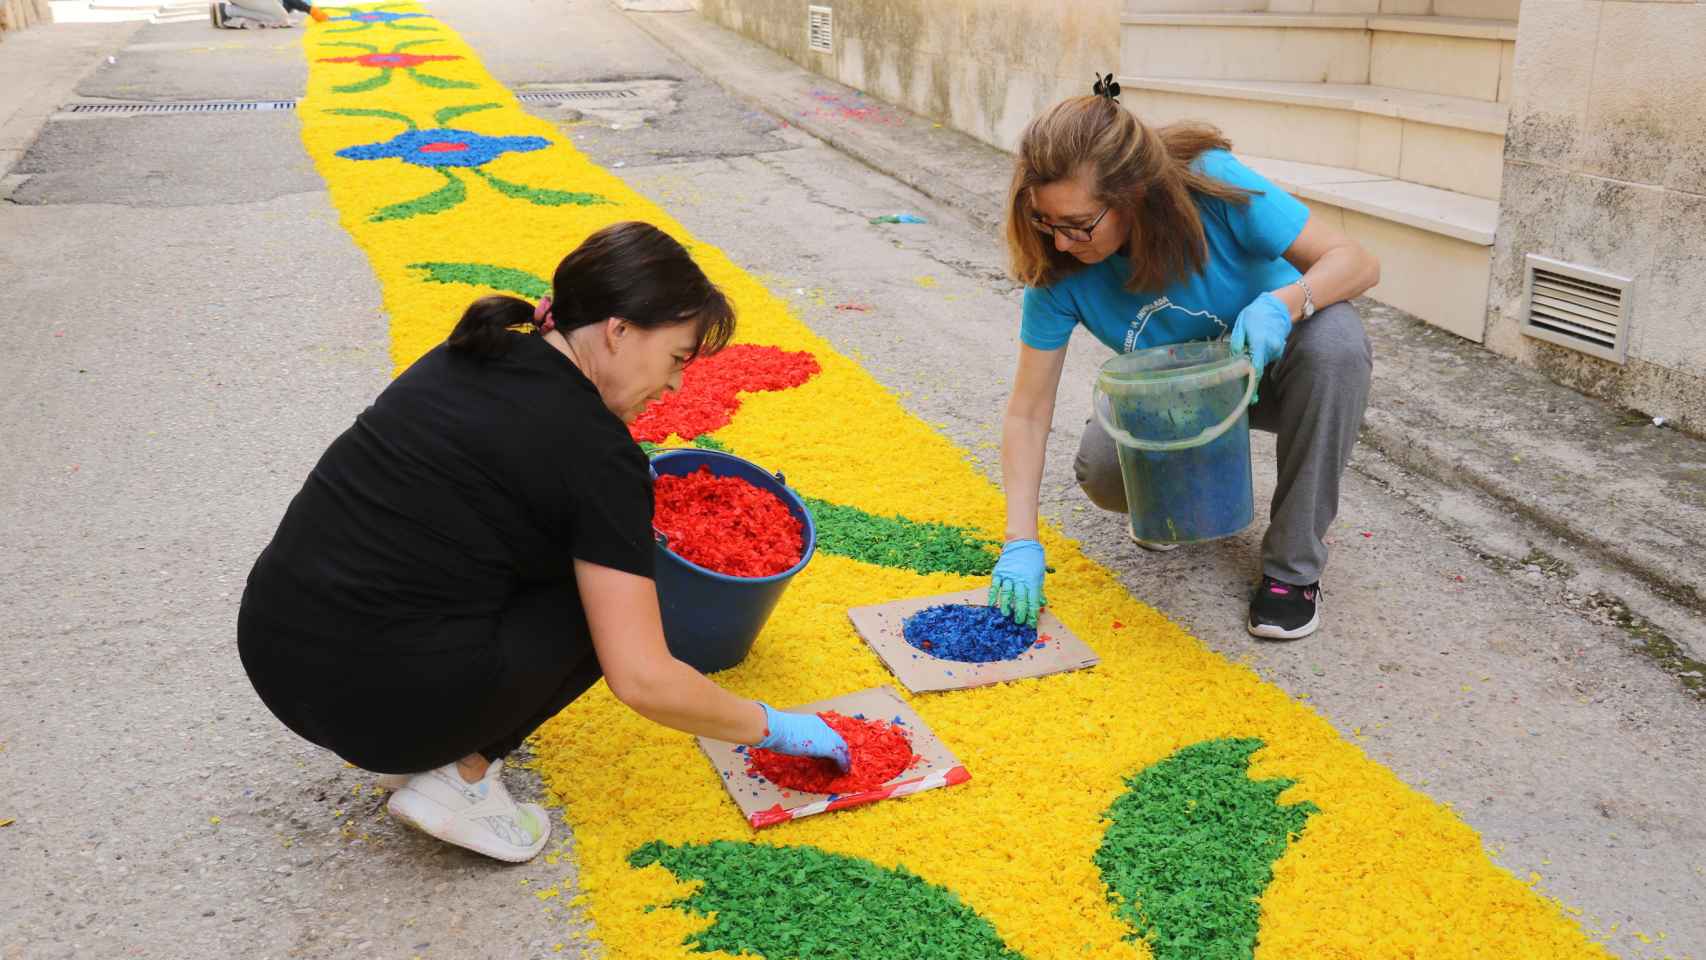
(476, 550)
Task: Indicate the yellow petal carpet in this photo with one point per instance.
(450, 170)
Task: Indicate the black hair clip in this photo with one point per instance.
(1107, 87)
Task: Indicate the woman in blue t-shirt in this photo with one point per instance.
(1149, 237)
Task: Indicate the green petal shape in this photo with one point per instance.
(371, 83)
(370, 48)
(439, 83)
(1190, 848)
(802, 903)
(448, 114)
(365, 112)
(452, 193)
(503, 279)
(539, 196)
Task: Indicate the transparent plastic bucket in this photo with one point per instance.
(1179, 417)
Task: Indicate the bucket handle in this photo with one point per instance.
(1208, 435)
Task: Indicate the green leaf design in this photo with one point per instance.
(438, 201)
(926, 547)
(355, 29)
(505, 279)
(448, 114)
(411, 27)
(368, 112)
(439, 83)
(368, 47)
(371, 83)
(803, 903)
(540, 196)
(399, 48)
(1190, 847)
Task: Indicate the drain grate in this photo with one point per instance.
(183, 106)
(558, 96)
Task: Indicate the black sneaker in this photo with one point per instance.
(1283, 611)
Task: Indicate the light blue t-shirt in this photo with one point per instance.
(1245, 247)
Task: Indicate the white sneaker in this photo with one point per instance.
(479, 816)
(1153, 546)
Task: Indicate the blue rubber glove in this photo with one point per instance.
(1016, 588)
(1261, 331)
(803, 735)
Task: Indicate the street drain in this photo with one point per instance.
(183, 106)
(558, 96)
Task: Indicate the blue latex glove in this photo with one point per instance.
(1016, 588)
(1261, 331)
(803, 735)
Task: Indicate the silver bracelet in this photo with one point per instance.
(1308, 298)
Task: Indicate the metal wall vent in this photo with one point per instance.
(557, 96)
(1576, 307)
(183, 106)
(820, 29)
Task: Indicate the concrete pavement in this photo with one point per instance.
(186, 339)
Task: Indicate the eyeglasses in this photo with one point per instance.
(1075, 234)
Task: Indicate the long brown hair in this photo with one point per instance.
(1144, 173)
(630, 270)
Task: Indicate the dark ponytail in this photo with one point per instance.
(630, 270)
(484, 330)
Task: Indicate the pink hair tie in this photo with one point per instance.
(542, 316)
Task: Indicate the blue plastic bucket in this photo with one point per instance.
(710, 620)
(1179, 417)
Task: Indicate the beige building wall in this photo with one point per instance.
(984, 67)
(1605, 166)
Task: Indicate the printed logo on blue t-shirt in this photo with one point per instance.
(1181, 316)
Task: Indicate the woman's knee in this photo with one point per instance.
(1334, 342)
(1097, 469)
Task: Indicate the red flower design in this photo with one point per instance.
(390, 61)
(711, 388)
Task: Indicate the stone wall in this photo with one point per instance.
(984, 67)
(1605, 166)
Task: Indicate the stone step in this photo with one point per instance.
(1452, 143)
(1435, 246)
(1456, 56)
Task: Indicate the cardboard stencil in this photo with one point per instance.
(881, 627)
(764, 803)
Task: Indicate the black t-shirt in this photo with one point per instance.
(465, 481)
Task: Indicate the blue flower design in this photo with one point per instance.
(378, 16)
(444, 147)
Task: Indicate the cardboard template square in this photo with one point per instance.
(882, 626)
(764, 803)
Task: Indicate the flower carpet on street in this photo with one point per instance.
(1166, 803)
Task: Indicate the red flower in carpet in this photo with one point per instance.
(392, 60)
(711, 388)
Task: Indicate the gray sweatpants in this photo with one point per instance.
(1313, 397)
(266, 12)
